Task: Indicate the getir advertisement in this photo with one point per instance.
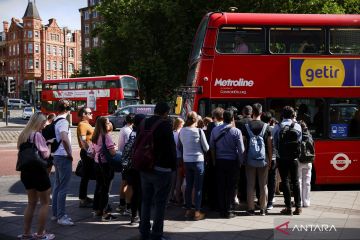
(324, 72)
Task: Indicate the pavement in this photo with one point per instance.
(337, 205)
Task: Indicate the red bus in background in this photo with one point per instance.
(310, 62)
(103, 94)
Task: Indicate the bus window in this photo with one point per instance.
(63, 86)
(345, 40)
(241, 40)
(297, 40)
(81, 85)
(199, 39)
(110, 84)
(71, 85)
(90, 85)
(100, 84)
(342, 118)
(128, 83)
(309, 110)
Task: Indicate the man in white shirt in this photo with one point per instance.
(125, 199)
(63, 164)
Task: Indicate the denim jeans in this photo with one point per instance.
(155, 187)
(194, 173)
(63, 170)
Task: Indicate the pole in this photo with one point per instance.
(6, 110)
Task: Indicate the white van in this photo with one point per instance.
(16, 103)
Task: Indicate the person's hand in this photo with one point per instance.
(70, 157)
(50, 141)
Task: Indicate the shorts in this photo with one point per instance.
(133, 177)
(38, 180)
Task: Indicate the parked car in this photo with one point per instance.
(118, 118)
(16, 103)
(27, 112)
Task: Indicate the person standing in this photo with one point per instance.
(259, 157)
(156, 183)
(287, 139)
(124, 134)
(84, 134)
(195, 147)
(63, 165)
(226, 143)
(36, 179)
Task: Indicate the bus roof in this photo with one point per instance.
(263, 19)
(87, 79)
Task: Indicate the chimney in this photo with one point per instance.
(6, 26)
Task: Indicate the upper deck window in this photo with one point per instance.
(345, 40)
(241, 40)
(297, 40)
(128, 83)
(199, 40)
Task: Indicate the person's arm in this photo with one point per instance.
(82, 137)
(270, 148)
(110, 145)
(66, 143)
(204, 143)
(212, 148)
(42, 146)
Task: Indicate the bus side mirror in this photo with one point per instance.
(178, 106)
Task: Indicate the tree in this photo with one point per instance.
(152, 39)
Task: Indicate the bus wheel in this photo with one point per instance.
(113, 126)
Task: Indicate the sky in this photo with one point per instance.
(66, 12)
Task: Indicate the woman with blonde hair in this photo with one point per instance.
(36, 179)
(195, 146)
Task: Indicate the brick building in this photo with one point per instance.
(89, 18)
(35, 52)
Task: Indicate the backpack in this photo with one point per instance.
(256, 154)
(49, 133)
(143, 158)
(289, 146)
(126, 159)
(113, 160)
(307, 149)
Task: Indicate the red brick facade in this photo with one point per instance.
(35, 52)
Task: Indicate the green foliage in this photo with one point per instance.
(151, 39)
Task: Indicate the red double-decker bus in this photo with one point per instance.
(308, 61)
(103, 94)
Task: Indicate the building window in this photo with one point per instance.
(48, 49)
(17, 49)
(37, 64)
(60, 51)
(25, 64)
(87, 42)
(36, 34)
(60, 65)
(54, 65)
(95, 41)
(24, 48)
(48, 65)
(10, 51)
(86, 15)
(48, 77)
(30, 48)
(37, 50)
(55, 77)
(71, 53)
(54, 50)
(31, 64)
(71, 67)
(58, 38)
(94, 14)
(92, 2)
(30, 34)
(18, 64)
(86, 28)
(14, 36)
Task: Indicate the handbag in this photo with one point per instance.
(79, 171)
(114, 161)
(29, 157)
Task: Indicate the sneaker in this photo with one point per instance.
(120, 208)
(90, 200)
(134, 220)
(65, 221)
(269, 207)
(53, 218)
(108, 218)
(126, 212)
(67, 216)
(286, 211)
(229, 215)
(26, 237)
(262, 212)
(297, 211)
(189, 214)
(45, 236)
(250, 212)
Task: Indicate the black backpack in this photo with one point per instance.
(289, 146)
(49, 133)
(307, 153)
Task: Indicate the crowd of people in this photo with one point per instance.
(217, 162)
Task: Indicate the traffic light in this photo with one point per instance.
(11, 85)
